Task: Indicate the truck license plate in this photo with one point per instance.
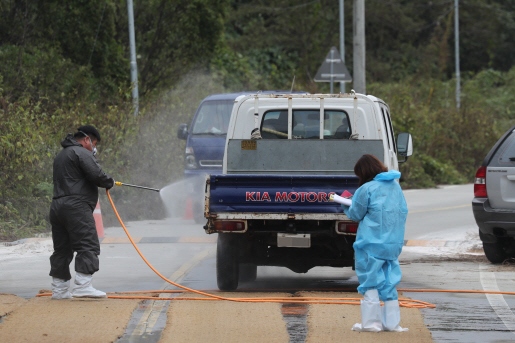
(291, 240)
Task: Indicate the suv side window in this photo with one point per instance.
(505, 152)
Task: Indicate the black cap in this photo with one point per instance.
(90, 130)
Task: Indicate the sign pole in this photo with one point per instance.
(457, 52)
(332, 69)
(342, 42)
(359, 47)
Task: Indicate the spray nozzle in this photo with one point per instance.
(118, 183)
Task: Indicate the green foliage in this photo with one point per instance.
(42, 74)
(172, 37)
(56, 74)
(449, 145)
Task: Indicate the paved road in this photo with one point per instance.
(437, 217)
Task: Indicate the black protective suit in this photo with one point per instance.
(77, 176)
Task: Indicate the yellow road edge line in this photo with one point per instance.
(439, 209)
(149, 319)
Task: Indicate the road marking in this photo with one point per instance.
(210, 239)
(496, 301)
(156, 307)
(120, 240)
(421, 243)
(439, 209)
(147, 240)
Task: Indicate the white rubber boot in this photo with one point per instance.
(84, 289)
(370, 313)
(392, 316)
(60, 289)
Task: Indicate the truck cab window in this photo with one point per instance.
(305, 125)
(213, 118)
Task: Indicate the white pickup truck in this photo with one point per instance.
(271, 207)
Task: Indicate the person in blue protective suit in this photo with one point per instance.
(380, 208)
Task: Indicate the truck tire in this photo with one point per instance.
(495, 252)
(227, 265)
(248, 272)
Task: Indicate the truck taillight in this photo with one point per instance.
(480, 183)
(347, 228)
(224, 225)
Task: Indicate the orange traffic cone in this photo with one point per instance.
(97, 214)
(188, 212)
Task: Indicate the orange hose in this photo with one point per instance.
(211, 297)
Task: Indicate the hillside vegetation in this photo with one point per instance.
(66, 63)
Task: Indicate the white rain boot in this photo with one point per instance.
(392, 316)
(84, 289)
(370, 313)
(60, 289)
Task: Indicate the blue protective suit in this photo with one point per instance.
(380, 208)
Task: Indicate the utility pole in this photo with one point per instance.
(359, 46)
(342, 43)
(134, 66)
(457, 52)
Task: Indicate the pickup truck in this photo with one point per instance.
(205, 142)
(271, 206)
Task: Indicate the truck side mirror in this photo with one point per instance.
(182, 132)
(404, 146)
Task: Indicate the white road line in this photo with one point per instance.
(496, 301)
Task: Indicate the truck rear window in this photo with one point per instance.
(305, 125)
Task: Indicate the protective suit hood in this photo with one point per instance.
(388, 176)
(69, 140)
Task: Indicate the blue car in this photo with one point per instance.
(205, 142)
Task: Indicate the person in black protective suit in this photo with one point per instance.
(77, 176)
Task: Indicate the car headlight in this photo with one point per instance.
(190, 161)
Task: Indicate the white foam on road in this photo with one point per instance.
(28, 249)
(459, 241)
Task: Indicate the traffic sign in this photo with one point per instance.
(333, 69)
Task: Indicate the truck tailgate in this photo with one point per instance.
(276, 193)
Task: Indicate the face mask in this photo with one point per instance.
(94, 148)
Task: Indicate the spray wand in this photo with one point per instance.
(118, 183)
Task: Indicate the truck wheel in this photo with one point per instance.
(227, 265)
(494, 252)
(248, 272)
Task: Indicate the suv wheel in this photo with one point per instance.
(494, 252)
(227, 265)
